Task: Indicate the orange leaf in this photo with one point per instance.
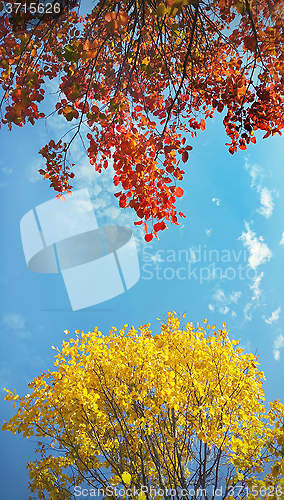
(110, 16)
(122, 17)
(267, 134)
(179, 192)
(242, 90)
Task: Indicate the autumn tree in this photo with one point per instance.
(174, 413)
(137, 78)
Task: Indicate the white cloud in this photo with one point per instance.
(234, 314)
(276, 354)
(255, 172)
(208, 232)
(17, 324)
(278, 343)
(216, 200)
(219, 296)
(7, 170)
(223, 301)
(255, 287)
(14, 321)
(259, 251)
(266, 200)
(282, 239)
(255, 300)
(192, 252)
(234, 297)
(224, 310)
(155, 258)
(274, 316)
(32, 170)
(247, 313)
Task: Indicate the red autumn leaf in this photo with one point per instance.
(250, 43)
(148, 237)
(179, 192)
(220, 107)
(170, 169)
(157, 226)
(184, 156)
(162, 226)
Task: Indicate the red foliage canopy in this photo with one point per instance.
(138, 76)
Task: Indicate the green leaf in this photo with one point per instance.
(70, 54)
(69, 117)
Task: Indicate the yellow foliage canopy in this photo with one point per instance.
(132, 408)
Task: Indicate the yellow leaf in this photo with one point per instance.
(126, 478)
(240, 7)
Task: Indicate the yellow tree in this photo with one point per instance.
(136, 79)
(177, 414)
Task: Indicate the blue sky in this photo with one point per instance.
(234, 207)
